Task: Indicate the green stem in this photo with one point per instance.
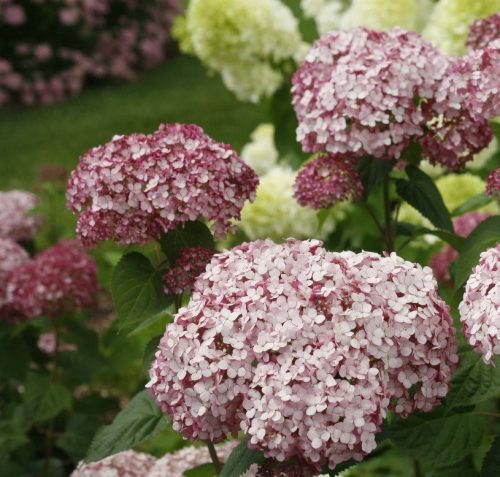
(417, 468)
(389, 227)
(214, 456)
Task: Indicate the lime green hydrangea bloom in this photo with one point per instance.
(450, 20)
(455, 189)
(244, 40)
(276, 214)
(261, 153)
(375, 14)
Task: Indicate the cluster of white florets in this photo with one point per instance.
(304, 350)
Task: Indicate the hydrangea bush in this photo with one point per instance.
(275, 353)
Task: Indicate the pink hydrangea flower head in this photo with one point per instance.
(124, 464)
(182, 275)
(357, 90)
(441, 261)
(175, 464)
(326, 180)
(47, 343)
(480, 306)
(16, 220)
(61, 278)
(12, 257)
(493, 183)
(484, 31)
(137, 187)
(304, 350)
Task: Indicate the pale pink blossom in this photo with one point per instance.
(484, 31)
(493, 183)
(17, 220)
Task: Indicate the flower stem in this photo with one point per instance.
(214, 457)
(389, 226)
(417, 469)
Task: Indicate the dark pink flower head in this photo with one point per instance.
(326, 180)
(182, 275)
(16, 220)
(441, 261)
(137, 187)
(493, 183)
(61, 278)
(12, 257)
(480, 307)
(304, 350)
(484, 31)
(358, 91)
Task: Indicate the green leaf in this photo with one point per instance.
(240, 460)
(153, 323)
(449, 237)
(473, 203)
(137, 290)
(192, 234)
(485, 235)
(372, 172)
(203, 470)
(463, 468)
(141, 420)
(44, 399)
(474, 382)
(422, 194)
(149, 352)
(14, 356)
(436, 439)
(78, 434)
(491, 464)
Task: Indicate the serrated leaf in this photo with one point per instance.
(372, 172)
(137, 290)
(436, 439)
(192, 234)
(473, 203)
(474, 382)
(422, 194)
(485, 235)
(141, 420)
(203, 470)
(491, 464)
(44, 399)
(240, 460)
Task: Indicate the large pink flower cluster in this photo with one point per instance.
(61, 278)
(17, 221)
(12, 256)
(304, 350)
(138, 187)
(480, 307)
(85, 38)
(441, 261)
(493, 183)
(182, 275)
(374, 93)
(483, 32)
(136, 464)
(326, 180)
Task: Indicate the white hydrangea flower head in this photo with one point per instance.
(480, 307)
(449, 23)
(261, 153)
(276, 214)
(243, 40)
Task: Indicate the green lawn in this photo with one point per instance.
(179, 91)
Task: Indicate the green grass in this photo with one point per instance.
(178, 91)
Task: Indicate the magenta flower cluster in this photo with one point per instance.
(83, 39)
(304, 350)
(326, 180)
(12, 256)
(483, 32)
(137, 187)
(374, 93)
(480, 307)
(493, 183)
(182, 275)
(17, 220)
(60, 279)
(137, 464)
(441, 261)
